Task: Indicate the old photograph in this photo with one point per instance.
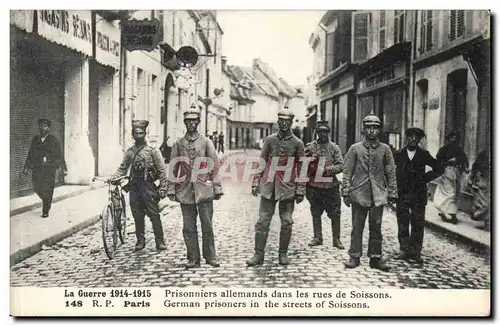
(255, 153)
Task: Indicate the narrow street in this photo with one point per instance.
(80, 259)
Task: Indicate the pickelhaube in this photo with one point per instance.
(140, 124)
(371, 120)
(322, 125)
(286, 113)
(191, 115)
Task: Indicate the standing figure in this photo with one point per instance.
(276, 187)
(412, 180)
(196, 191)
(44, 158)
(481, 189)
(146, 166)
(215, 139)
(368, 184)
(221, 143)
(453, 157)
(324, 195)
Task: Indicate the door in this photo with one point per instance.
(456, 96)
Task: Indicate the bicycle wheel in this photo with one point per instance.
(109, 232)
(123, 220)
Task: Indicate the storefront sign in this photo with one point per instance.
(107, 43)
(143, 34)
(71, 28)
(380, 77)
(22, 19)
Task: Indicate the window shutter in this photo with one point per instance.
(382, 28)
(382, 39)
(423, 20)
(460, 22)
(401, 27)
(360, 36)
(428, 38)
(330, 51)
(453, 24)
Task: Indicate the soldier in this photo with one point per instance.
(195, 196)
(324, 195)
(368, 184)
(281, 145)
(412, 181)
(146, 166)
(43, 159)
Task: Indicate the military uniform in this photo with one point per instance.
(324, 195)
(43, 159)
(195, 196)
(277, 190)
(146, 166)
(369, 180)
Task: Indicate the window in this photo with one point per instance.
(399, 26)
(330, 51)
(457, 24)
(360, 33)
(382, 29)
(425, 31)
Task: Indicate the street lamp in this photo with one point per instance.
(218, 92)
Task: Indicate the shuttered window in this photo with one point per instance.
(399, 26)
(425, 31)
(330, 52)
(382, 30)
(360, 35)
(457, 24)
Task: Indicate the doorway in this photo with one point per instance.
(456, 103)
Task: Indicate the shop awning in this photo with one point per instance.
(22, 19)
(399, 52)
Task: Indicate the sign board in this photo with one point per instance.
(143, 34)
(71, 28)
(434, 103)
(107, 42)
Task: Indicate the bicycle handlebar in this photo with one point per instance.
(108, 180)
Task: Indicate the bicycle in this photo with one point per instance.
(113, 216)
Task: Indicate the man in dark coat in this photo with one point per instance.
(369, 183)
(324, 195)
(281, 187)
(146, 166)
(412, 181)
(194, 190)
(221, 143)
(44, 158)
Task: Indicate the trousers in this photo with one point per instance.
(190, 214)
(411, 213)
(44, 180)
(324, 199)
(144, 199)
(359, 214)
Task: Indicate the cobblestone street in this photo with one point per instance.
(80, 259)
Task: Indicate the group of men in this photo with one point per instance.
(372, 178)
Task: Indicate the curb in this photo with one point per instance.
(27, 252)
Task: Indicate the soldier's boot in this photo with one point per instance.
(336, 232)
(352, 263)
(158, 231)
(139, 233)
(378, 263)
(318, 232)
(285, 236)
(260, 246)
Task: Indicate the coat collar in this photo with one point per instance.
(368, 144)
(288, 135)
(192, 137)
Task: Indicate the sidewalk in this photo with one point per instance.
(73, 209)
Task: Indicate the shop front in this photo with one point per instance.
(383, 91)
(49, 79)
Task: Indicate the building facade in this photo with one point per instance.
(65, 66)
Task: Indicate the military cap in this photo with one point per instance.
(371, 120)
(285, 113)
(191, 115)
(322, 125)
(415, 131)
(140, 124)
(45, 121)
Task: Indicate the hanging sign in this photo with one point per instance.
(107, 42)
(143, 34)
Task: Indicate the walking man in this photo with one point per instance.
(221, 143)
(146, 166)
(368, 184)
(275, 188)
(324, 195)
(44, 158)
(412, 193)
(197, 190)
